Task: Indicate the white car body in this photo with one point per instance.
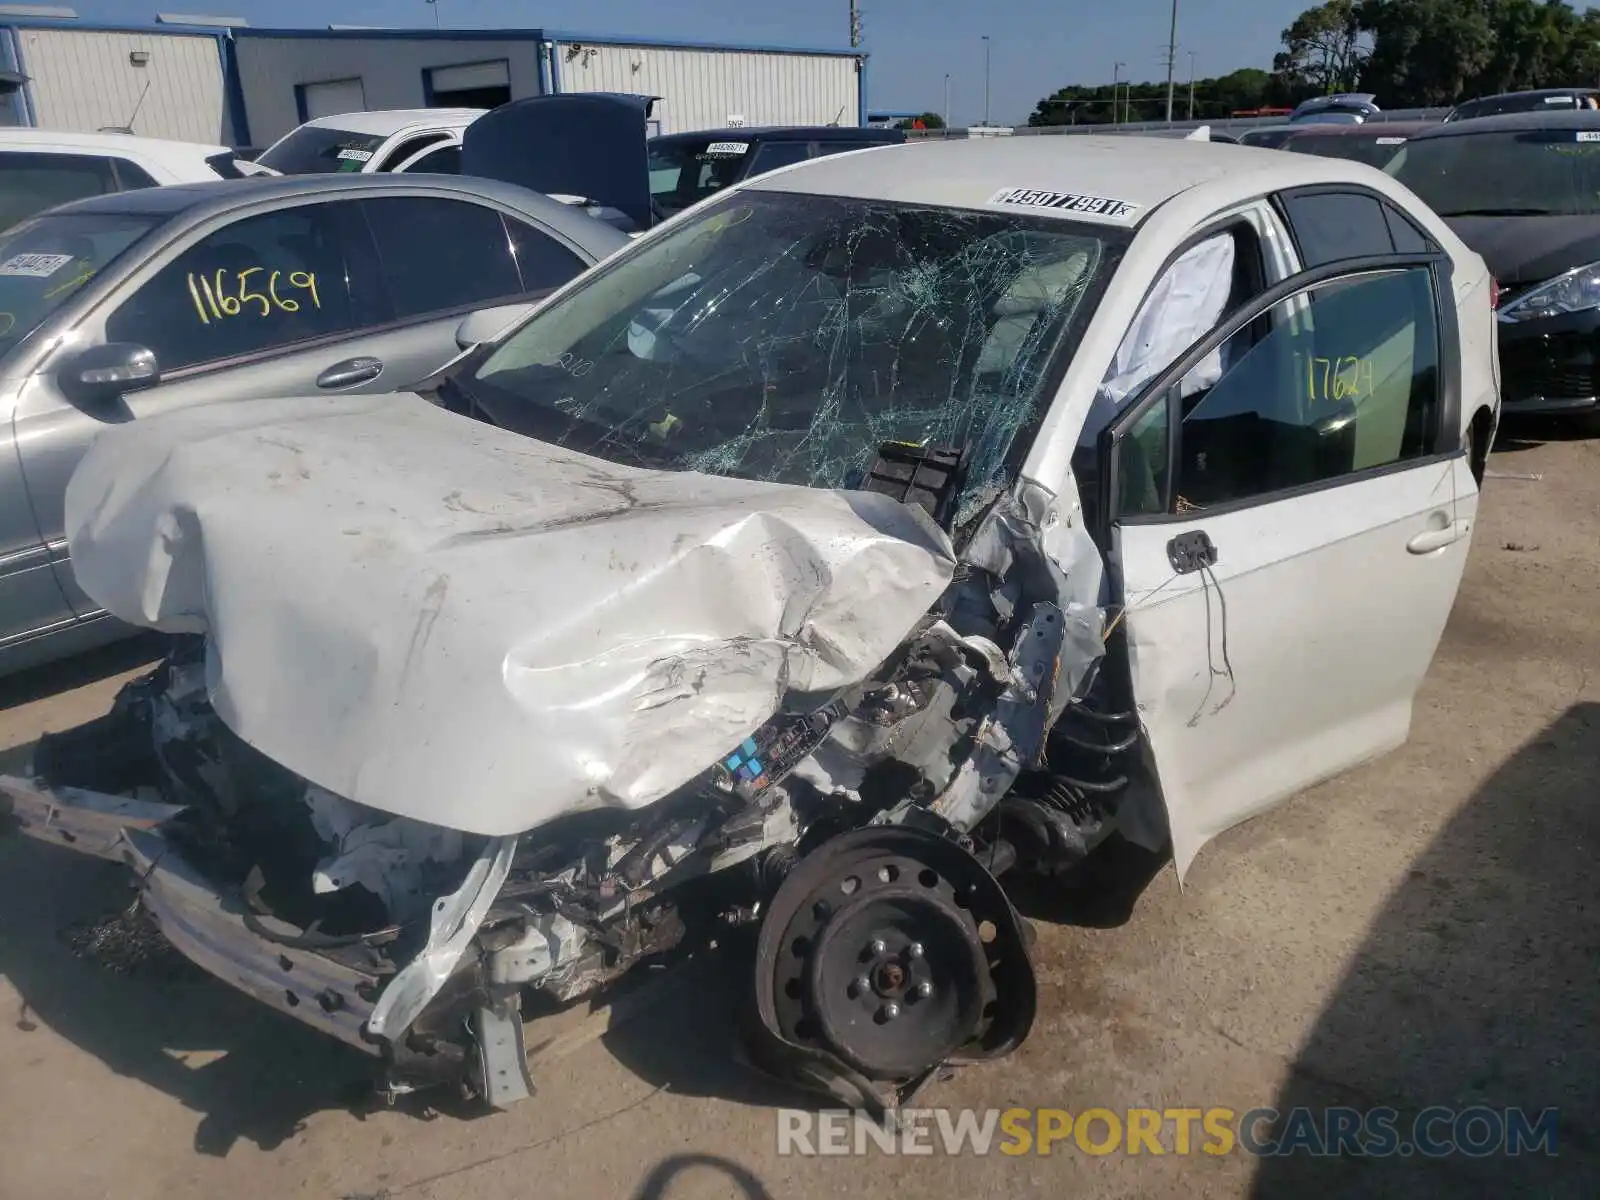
(407, 133)
(434, 623)
(165, 161)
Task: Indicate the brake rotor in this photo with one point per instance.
(890, 950)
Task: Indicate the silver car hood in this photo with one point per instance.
(449, 622)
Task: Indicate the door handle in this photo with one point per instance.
(1437, 537)
(350, 372)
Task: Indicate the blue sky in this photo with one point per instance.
(1036, 46)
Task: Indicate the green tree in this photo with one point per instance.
(929, 121)
(1324, 49)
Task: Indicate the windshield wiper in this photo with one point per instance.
(1500, 212)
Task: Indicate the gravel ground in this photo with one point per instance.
(1421, 931)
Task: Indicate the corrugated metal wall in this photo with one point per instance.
(390, 70)
(702, 88)
(83, 80)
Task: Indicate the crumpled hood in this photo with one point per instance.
(450, 622)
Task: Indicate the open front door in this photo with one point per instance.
(1289, 539)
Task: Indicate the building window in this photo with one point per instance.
(468, 85)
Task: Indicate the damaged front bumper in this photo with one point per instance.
(209, 928)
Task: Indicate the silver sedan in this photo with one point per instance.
(122, 305)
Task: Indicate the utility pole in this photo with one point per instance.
(434, 4)
(1116, 75)
(855, 24)
(986, 81)
(1172, 55)
(1191, 85)
(947, 100)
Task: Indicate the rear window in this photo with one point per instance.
(1375, 151)
(1494, 106)
(1533, 173)
(315, 150)
(684, 171)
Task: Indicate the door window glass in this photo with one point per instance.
(31, 183)
(441, 254)
(1345, 380)
(409, 147)
(254, 285)
(1336, 226)
(769, 156)
(543, 262)
(446, 160)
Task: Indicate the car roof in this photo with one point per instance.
(1530, 92)
(109, 143)
(385, 122)
(789, 133)
(1583, 118)
(969, 173)
(1367, 129)
(196, 202)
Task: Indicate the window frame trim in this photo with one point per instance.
(1280, 207)
(1440, 267)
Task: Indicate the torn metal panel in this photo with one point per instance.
(446, 621)
(87, 821)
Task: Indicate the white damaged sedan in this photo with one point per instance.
(879, 527)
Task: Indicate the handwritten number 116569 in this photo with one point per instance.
(214, 300)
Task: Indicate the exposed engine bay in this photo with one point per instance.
(856, 835)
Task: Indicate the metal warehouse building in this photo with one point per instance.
(247, 87)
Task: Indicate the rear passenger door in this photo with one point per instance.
(1286, 530)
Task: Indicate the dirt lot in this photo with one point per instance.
(1422, 931)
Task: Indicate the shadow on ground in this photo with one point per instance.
(1478, 985)
(1530, 432)
(138, 1007)
(50, 679)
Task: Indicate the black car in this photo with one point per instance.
(1540, 100)
(1523, 190)
(685, 168)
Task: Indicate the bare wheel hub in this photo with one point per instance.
(883, 966)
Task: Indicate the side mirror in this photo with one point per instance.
(102, 374)
(488, 323)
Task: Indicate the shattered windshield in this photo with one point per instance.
(786, 338)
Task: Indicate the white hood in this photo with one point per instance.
(458, 624)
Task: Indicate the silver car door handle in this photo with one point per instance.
(1437, 538)
(350, 372)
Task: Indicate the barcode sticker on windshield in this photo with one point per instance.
(34, 266)
(1389, 141)
(350, 154)
(1065, 202)
(727, 147)
(1587, 135)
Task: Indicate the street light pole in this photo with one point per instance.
(1191, 85)
(986, 81)
(1116, 74)
(947, 99)
(1172, 56)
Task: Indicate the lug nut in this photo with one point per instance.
(860, 986)
(915, 950)
(877, 946)
(891, 1011)
(924, 989)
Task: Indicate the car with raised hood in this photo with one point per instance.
(127, 304)
(40, 169)
(1523, 190)
(1372, 142)
(883, 526)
